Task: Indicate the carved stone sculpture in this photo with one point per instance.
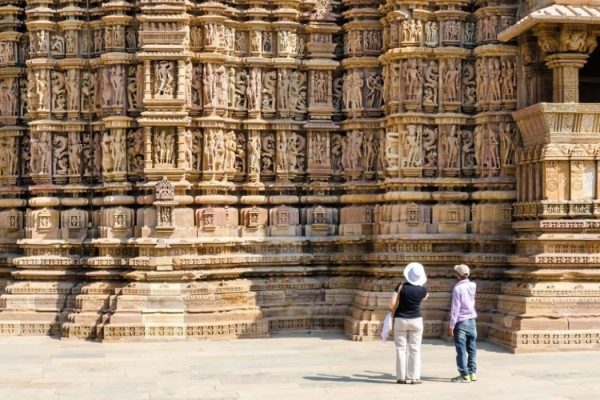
(190, 154)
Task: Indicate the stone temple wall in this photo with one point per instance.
(197, 169)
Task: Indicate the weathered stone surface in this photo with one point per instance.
(174, 169)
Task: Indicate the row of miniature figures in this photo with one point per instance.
(174, 221)
(418, 84)
(219, 153)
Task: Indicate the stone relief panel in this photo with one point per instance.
(286, 121)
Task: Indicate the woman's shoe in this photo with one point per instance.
(416, 381)
(401, 381)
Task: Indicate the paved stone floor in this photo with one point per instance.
(321, 366)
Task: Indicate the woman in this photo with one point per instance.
(408, 323)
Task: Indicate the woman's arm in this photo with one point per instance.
(392, 301)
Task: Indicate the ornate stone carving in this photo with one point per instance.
(387, 128)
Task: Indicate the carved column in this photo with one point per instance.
(323, 85)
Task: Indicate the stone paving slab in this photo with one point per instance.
(323, 366)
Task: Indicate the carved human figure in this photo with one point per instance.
(119, 36)
(412, 31)
(135, 151)
(508, 78)
(117, 80)
(267, 42)
(412, 147)
(107, 152)
(72, 83)
(321, 86)
(197, 84)
(469, 37)
(107, 88)
(256, 41)
(336, 152)
(42, 43)
(374, 84)
(253, 94)
(189, 75)
(254, 156)
(413, 79)
(482, 80)
(160, 147)
(491, 157)
(219, 151)
(353, 42)
(170, 149)
(293, 43)
(210, 151)
(283, 89)
(284, 41)
(210, 35)
(451, 148)
(41, 85)
(74, 153)
(57, 45)
(230, 151)
(231, 89)
(130, 38)
(490, 26)
(431, 34)
(353, 84)
(495, 78)
(318, 147)
(345, 152)
(240, 41)
(282, 154)
(298, 91)
(228, 39)
(451, 31)
(119, 150)
(370, 152)
(164, 79)
(451, 79)
(8, 97)
(507, 142)
(220, 83)
(209, 86)
(573, 39)
(132, 88)
(352, 150)
(478, 145)
(8, 156)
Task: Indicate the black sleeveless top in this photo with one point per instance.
(410, 301)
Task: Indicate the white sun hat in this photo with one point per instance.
(415, 274)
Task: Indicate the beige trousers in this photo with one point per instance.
(408, 334)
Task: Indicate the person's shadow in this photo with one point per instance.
(372, 377)
(367, 377)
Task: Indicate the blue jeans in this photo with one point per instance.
(465, 340)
